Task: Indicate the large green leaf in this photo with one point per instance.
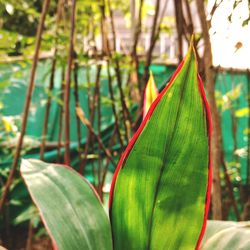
(70, 209)
(227, 235)
(160, 191)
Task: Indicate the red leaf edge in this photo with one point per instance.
(209, 181)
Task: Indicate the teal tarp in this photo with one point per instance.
(17, 75)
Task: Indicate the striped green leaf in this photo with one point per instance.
(69, 207)
(160, 191)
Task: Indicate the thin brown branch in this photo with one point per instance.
(92, 105)
(246, 210)
(230, 189)
(161, 18)
(77, 104)
(214, 8)
(51, 83)
(67, 88)
(136, 37)
(98, 98)
(125, 112)
(59, 143)
(189, 31)
(47, 109)
(179, 26)
(111, 93)
(137, 30)
(87, 123)
(216, 132)
(104, 32)
(27, 103)
(152, 45)
(30, 237)
(112, 24)
(105, 170)
(190, 25)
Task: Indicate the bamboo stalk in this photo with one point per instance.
(27, 103)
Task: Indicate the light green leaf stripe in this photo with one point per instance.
(68, 205)
(160, 192)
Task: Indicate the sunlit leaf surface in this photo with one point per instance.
(160, 191)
